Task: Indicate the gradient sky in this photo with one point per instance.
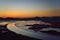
(29, 8)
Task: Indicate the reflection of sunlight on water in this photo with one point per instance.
(26, 22)
(23, 23)
(3, 23)
(30, 33)
(22, 29)
(46, 29)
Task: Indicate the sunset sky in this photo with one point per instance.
(29, 8)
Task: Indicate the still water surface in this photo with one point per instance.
(20, 28)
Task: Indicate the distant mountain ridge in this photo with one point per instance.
(57, 18)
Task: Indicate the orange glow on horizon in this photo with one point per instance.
(27, 14)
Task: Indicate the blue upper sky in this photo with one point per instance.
(38, 5)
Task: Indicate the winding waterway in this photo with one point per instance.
(20, 28)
